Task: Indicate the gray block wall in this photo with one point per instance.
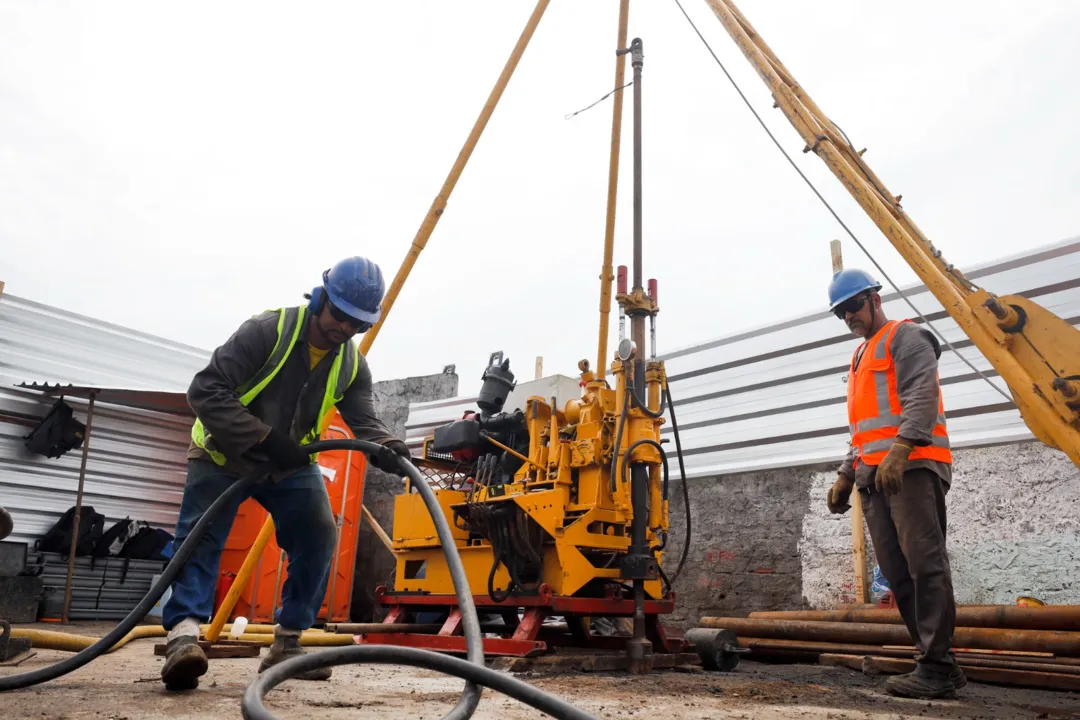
(374, 564)
(766, 541)
(1013, 529)
(744, 546)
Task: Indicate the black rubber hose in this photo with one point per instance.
(644, 407)
(472, 671)
(254, 709)
(618, 435)
(183, 553)
(685, 490)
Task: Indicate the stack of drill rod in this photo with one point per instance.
(1001, 644)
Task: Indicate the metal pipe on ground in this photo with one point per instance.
(1058, 642)
(1048, 666)
(765, 645)
(993, 675)
(797, 649)
(1058, 617)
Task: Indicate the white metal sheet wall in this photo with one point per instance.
(774, 396)
(135, 464)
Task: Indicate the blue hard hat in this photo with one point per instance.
(848, 283)
(355, 286)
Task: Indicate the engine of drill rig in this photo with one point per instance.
(492, 440)
(540, 495)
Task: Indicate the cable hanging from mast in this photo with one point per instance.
(833, 212)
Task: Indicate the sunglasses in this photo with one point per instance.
(343, 317)
(851, 305)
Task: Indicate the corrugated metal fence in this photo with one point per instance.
(135, 465)
(775, 396)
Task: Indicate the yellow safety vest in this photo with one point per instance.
(291, 321)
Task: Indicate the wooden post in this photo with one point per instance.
(366, 515)
(78, 511)
(837, 256)
(858, 538)
(539, 367)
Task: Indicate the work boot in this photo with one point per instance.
(287, 645)
(185, 663)
(925, 684)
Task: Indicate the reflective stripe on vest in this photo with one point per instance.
(874, 411)
(291, 322)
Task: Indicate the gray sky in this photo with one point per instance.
(250, 145)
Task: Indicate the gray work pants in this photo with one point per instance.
(908, 532)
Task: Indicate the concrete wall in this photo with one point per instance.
(745, 543)
(766, 541)
(375, 565)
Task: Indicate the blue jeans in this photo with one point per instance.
(305, 528)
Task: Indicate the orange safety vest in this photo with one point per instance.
(874, 404)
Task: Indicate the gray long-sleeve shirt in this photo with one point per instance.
(915, 352)
(290, 402)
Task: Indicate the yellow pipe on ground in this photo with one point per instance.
(70, 642)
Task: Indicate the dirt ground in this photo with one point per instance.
(125, 685)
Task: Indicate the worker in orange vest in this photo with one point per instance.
(901, 462)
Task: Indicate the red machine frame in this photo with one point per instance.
(528, 636)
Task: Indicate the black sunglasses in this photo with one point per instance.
(851, 305)
(342, 316)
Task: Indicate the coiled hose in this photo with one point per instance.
(471, 670)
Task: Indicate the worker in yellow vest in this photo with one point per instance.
(262, 397)
(900, 460)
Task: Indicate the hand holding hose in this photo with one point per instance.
(389, 456)
(283, 451)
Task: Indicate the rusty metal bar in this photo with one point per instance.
(78, 510)
(997, 676)
(1058, 642)
(764, 647)
(1059, 617)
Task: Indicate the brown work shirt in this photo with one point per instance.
(290, 402)
(915, 352)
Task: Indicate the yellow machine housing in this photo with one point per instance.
(570, 523)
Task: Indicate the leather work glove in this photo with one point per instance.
(388, 457)
(283, 451)
(839, 494)
(890, 473)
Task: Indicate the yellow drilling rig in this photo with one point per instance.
(558, 510)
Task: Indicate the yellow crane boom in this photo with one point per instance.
(1036, 352)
